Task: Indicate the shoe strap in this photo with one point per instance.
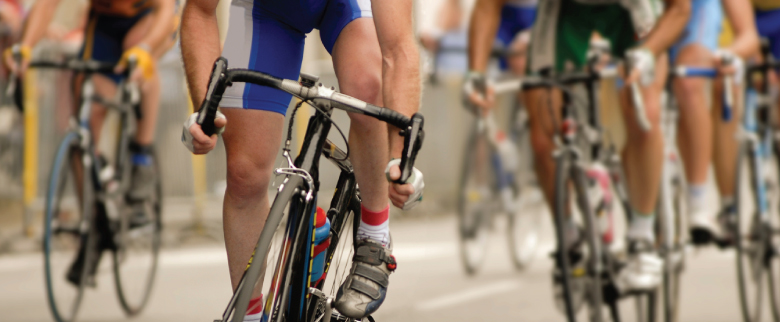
(374, 254)
(364, 288)
(373, 274)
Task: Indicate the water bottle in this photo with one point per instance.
(600, 199)
(321, 244)
(507, 151)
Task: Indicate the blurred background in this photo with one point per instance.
(192, 284)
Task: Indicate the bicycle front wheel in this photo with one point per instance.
(577, 284)
(751, 236)
(68, 232)
(477, 201)
(137, 238)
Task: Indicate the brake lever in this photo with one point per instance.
(208, 109)
(413, 139)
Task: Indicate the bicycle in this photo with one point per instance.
(286, 243)
(86, 210)
(492, 182)
(588, 183)
(755, 224)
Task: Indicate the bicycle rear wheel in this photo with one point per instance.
(137, 237)
(579, 284)
(477, 201)
(68, 229)
(751, 241)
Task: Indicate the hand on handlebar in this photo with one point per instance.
(17, 58)
(195, 140)
(729, 64)
(143, 59)
(405, 196)
(641, 64)
(478, 91)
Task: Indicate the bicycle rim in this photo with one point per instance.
(772, 181)
(69, 207)
(477, 201)
(578, 286)
(138, 247)
(749, 240)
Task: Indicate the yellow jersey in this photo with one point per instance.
(766, 5)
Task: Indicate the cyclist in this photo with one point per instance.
(698, 47)
(116, 31)
(375, 58)
(560, 39)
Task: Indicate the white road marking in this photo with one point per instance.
(469, 295)
(208, 256)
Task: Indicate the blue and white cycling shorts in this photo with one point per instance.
(703, 27)
(268, 36)
(514, 19)
(768, 23)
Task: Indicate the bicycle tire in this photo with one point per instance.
(126, 237)
(72, 232)
(475, 204)
(566, 179)
(523, 226)
(271, 235)
(773, 191)
(671, 234)
(746, 241)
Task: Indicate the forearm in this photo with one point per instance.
(740, 15)
(38, 22)
(162, 25)
(199, 47)
(401, 86)
(482, 32)
(668, 27)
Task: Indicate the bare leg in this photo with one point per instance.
(544, 110)
(251, 143)
(694, 141)
(643, 154)
(358, 63)
(725, 152)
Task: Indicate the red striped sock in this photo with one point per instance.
(255, 305)
(375, 225)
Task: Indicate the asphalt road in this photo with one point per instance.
(429, 285)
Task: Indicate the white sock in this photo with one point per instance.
(642, 227)
(697, 194)
(375, 225)
(253, 317)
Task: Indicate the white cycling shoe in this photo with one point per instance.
(704, 227)
(644, 269)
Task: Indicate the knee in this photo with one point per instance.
(541, 142)
(637, 134)
(248, 179)
(367, 87)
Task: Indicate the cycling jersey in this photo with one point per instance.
(703, 27)
(768, 23)
(268, 36)
(121, 8)
(561, 36)
(104, 38)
